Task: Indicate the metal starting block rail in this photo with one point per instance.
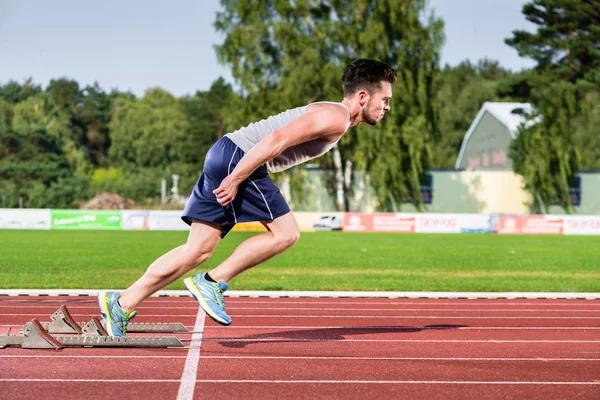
(36, 335)
(62, 322)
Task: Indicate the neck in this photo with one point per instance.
(355, 112)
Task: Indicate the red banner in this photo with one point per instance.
(534, 225)
(358, 222)
(393, 223)
(383, 222)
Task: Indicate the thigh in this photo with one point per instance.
(204, 236)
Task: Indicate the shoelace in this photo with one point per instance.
(122, 325)
(219, 296)
(124, 321)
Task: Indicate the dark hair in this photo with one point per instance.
(366, 74)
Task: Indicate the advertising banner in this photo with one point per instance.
(358, 222)
(475, 223)
(167, 221)
(438, 223)
(86, 219)
(535, 225)
(389, 222)
(21, 218)
(381, 222)
(138, 220)
(582, 225)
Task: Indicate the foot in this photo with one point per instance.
(210, 296)
(115, 318)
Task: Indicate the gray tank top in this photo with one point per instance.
(245, 138)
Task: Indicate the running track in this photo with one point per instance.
(323, 348)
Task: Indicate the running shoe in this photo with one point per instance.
(115, 318)
(210, 296)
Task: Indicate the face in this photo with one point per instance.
(376, 104)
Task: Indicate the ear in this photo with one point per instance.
(363, 97)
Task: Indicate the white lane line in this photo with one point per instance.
(453, 302)
(397, 382)
(400, 328)
(341, 358)
(323, 294)
(304, 381)
(400, 309)
(405, 316)
(343, 340)
(345, 316)
(303, 301)
(190, 370)
(280, 328)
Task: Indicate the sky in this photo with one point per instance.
(133, 45)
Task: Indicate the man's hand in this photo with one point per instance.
(226, 191)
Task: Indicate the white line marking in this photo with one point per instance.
(401, 328)
(389, 309)
(229, 172)
(345, 316)
(435, 328)
(322, 294)
(263, 196)
(188, 378)
(276, 340)
(546, 310)
(303, 381)
(403, 316)
(462, 328)
(47, 302)
(398, 382)
(323, 358)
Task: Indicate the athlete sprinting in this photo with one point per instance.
(235, 187)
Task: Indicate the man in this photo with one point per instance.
(235, 187)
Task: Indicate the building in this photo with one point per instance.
(485, 145)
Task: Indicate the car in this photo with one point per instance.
(328, 223)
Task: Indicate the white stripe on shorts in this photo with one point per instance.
(228, 173)
(263, 196)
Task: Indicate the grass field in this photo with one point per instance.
(320, 261)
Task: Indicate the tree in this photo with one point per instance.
(149, 132)
(93, 115)
(461, 91)
(287, 53)
(567, 40)
(14, 93)
(566, 48)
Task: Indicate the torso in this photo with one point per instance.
(247, 137)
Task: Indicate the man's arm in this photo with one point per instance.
(310, 126)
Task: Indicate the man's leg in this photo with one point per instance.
(202, 240)
(283, 233)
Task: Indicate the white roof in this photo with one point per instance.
(503, 113)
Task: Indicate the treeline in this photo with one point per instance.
(65, 143)
(62, 145)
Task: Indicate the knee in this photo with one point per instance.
(198, 256)
(289, 239)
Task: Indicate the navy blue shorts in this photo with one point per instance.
(257, 199)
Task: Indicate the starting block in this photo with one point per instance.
(37, 335)
(62, 322)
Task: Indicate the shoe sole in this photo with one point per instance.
(196, 293)
(103, 303)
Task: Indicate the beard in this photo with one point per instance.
(366, 117)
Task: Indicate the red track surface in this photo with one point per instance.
(322, 349)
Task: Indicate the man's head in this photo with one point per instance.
(370, 82)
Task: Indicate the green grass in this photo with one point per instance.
(320, 261)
